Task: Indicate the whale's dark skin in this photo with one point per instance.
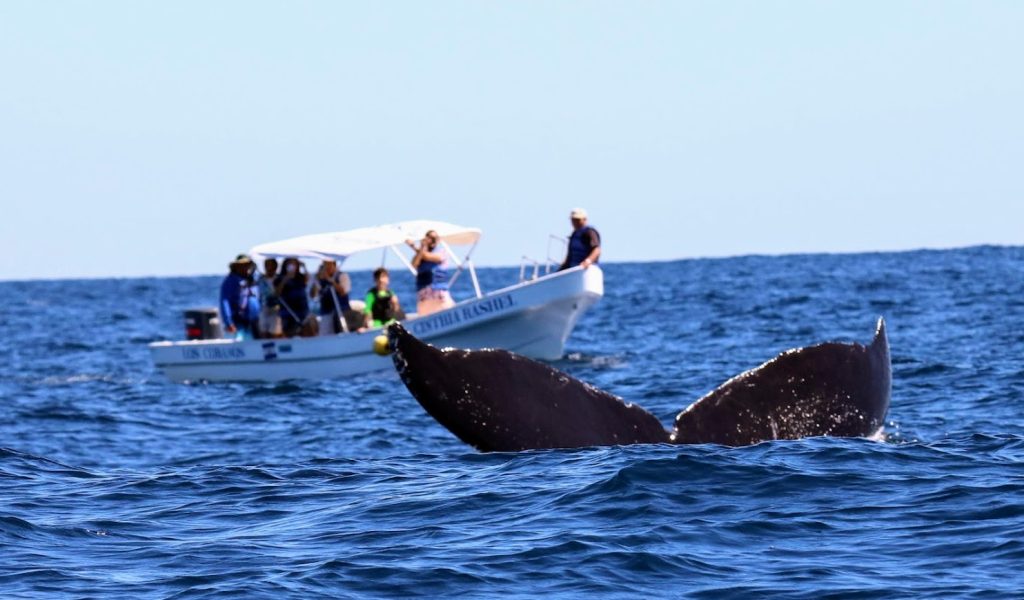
(495, 400)
(834, 389)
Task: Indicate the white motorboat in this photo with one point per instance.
(533, 317)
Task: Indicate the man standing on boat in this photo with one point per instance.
(269, 325)
(584, 243)
(239, 305)
(332, 286)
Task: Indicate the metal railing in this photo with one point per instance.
(549, 264)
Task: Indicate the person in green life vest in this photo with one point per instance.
(381, 303)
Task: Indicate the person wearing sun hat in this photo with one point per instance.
(239, 304)
(584, 243)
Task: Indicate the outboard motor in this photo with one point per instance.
(202, 324)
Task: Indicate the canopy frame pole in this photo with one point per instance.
(405, 261)
(455, 257)
(337, 311)
(554, 261)
(467, 263)
(472, 275)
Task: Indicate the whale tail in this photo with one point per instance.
(495, 400)
(834, 389)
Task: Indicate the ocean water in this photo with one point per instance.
(114, 481)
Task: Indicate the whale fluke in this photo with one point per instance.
(495, 400)
(831, 389)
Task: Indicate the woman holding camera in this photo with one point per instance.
(432, 278)
(290, 286)
(332, 286)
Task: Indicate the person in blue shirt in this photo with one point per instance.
(432, 278)
(239, 304)
(584, 243)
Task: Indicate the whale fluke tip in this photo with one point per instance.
(881, 337)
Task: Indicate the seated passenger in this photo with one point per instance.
(381, 303)
(431, 264)
(239, 305)
(332, 286)
(290, 287)
(270, 305)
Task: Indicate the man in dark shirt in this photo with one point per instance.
(332, 286)
(239, 304)
(584, 243)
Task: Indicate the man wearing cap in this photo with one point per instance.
(239, 305)
(584, 243)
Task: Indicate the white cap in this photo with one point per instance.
(578, 213)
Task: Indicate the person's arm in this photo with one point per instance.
(225, 307)
(314, 291)
(225, 311)
(416, 258)
(595, 242)
(368, 310)
(427, 255)
(423, 254)
(343, 284)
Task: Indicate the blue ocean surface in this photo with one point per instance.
(116, 482)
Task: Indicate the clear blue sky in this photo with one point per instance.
(162, 138)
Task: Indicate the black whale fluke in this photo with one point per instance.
(833, 389)
(495, 400)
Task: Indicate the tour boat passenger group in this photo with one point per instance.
(286, 323)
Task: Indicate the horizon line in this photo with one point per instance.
(613, 262)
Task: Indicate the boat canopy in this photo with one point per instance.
(340, 245)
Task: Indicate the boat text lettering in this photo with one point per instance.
(462, 314)
(211, 353)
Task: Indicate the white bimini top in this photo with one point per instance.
(340, 245)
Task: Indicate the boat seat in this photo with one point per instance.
(354, 319)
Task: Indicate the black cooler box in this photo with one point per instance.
(202, 324)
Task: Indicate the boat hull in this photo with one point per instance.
(534, 319)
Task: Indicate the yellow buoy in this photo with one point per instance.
(380, 345)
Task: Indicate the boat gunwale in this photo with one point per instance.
(462, 304)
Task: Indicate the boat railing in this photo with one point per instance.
(548, 265)
(524, 264)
